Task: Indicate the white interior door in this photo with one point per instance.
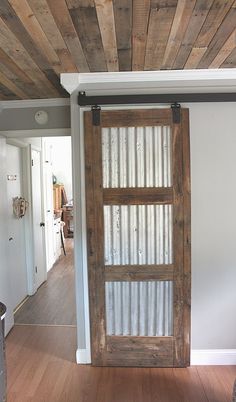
(38, 224)
(16, 232)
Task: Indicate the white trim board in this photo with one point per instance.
(44, 132)
(83, 356)
(29, 103)
(206, 357)
(181, 81)
(213, 357)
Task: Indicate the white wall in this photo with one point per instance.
(213, 167)
(61, 162)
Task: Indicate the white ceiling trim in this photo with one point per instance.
(171, 81)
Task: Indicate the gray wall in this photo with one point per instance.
(213, 171)
(23, 118)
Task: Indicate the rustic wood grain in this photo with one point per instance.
(222, 34)
(157, 40)
(123, 27)
(225, 51)
(178, 244)
(14, 24)
(34, 29)
(195, 57)
(44, 16)
(18, 76)
(230, 61)
(52, 37)
(177, 354)
(15, 51)
(186, 236)
(106, 22)
(135, 196)
(141, 10)
(12, 86)
(86, 24)
(182, 16)
(7, 93)
(64, 23)
(95, 233)
(139, 272)
(136, 118)
(139, 351)
(213, 21)
(196, 21)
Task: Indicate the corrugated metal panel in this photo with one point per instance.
(139, 308)
(138, 234)
(136, 157)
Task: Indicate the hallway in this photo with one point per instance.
(54, 302)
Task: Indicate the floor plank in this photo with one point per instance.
(54, 302)
(217, 382)
(41, 368)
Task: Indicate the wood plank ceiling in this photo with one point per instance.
(39, 39)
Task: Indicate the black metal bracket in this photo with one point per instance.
(96, 112)
(176, 108)
(84, 100)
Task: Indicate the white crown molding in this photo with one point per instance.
(70, 81)
(83, 356)
(45, 132)
(29, 103)
(177, 81)
(213, 357)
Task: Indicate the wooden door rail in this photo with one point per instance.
(137, 196)
(163, 272)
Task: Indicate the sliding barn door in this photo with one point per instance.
(138, 234)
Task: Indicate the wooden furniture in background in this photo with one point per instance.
(67, 217)
(59, 196)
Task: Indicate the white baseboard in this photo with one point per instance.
(213, 357)
(83, 356)
(205, 357)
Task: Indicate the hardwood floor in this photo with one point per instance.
(54, 302)
(41, 368)
(41, 363)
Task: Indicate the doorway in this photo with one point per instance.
(52, 265)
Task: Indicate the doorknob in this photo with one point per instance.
(42, 224)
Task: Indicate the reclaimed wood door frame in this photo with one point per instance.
(166, 351)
